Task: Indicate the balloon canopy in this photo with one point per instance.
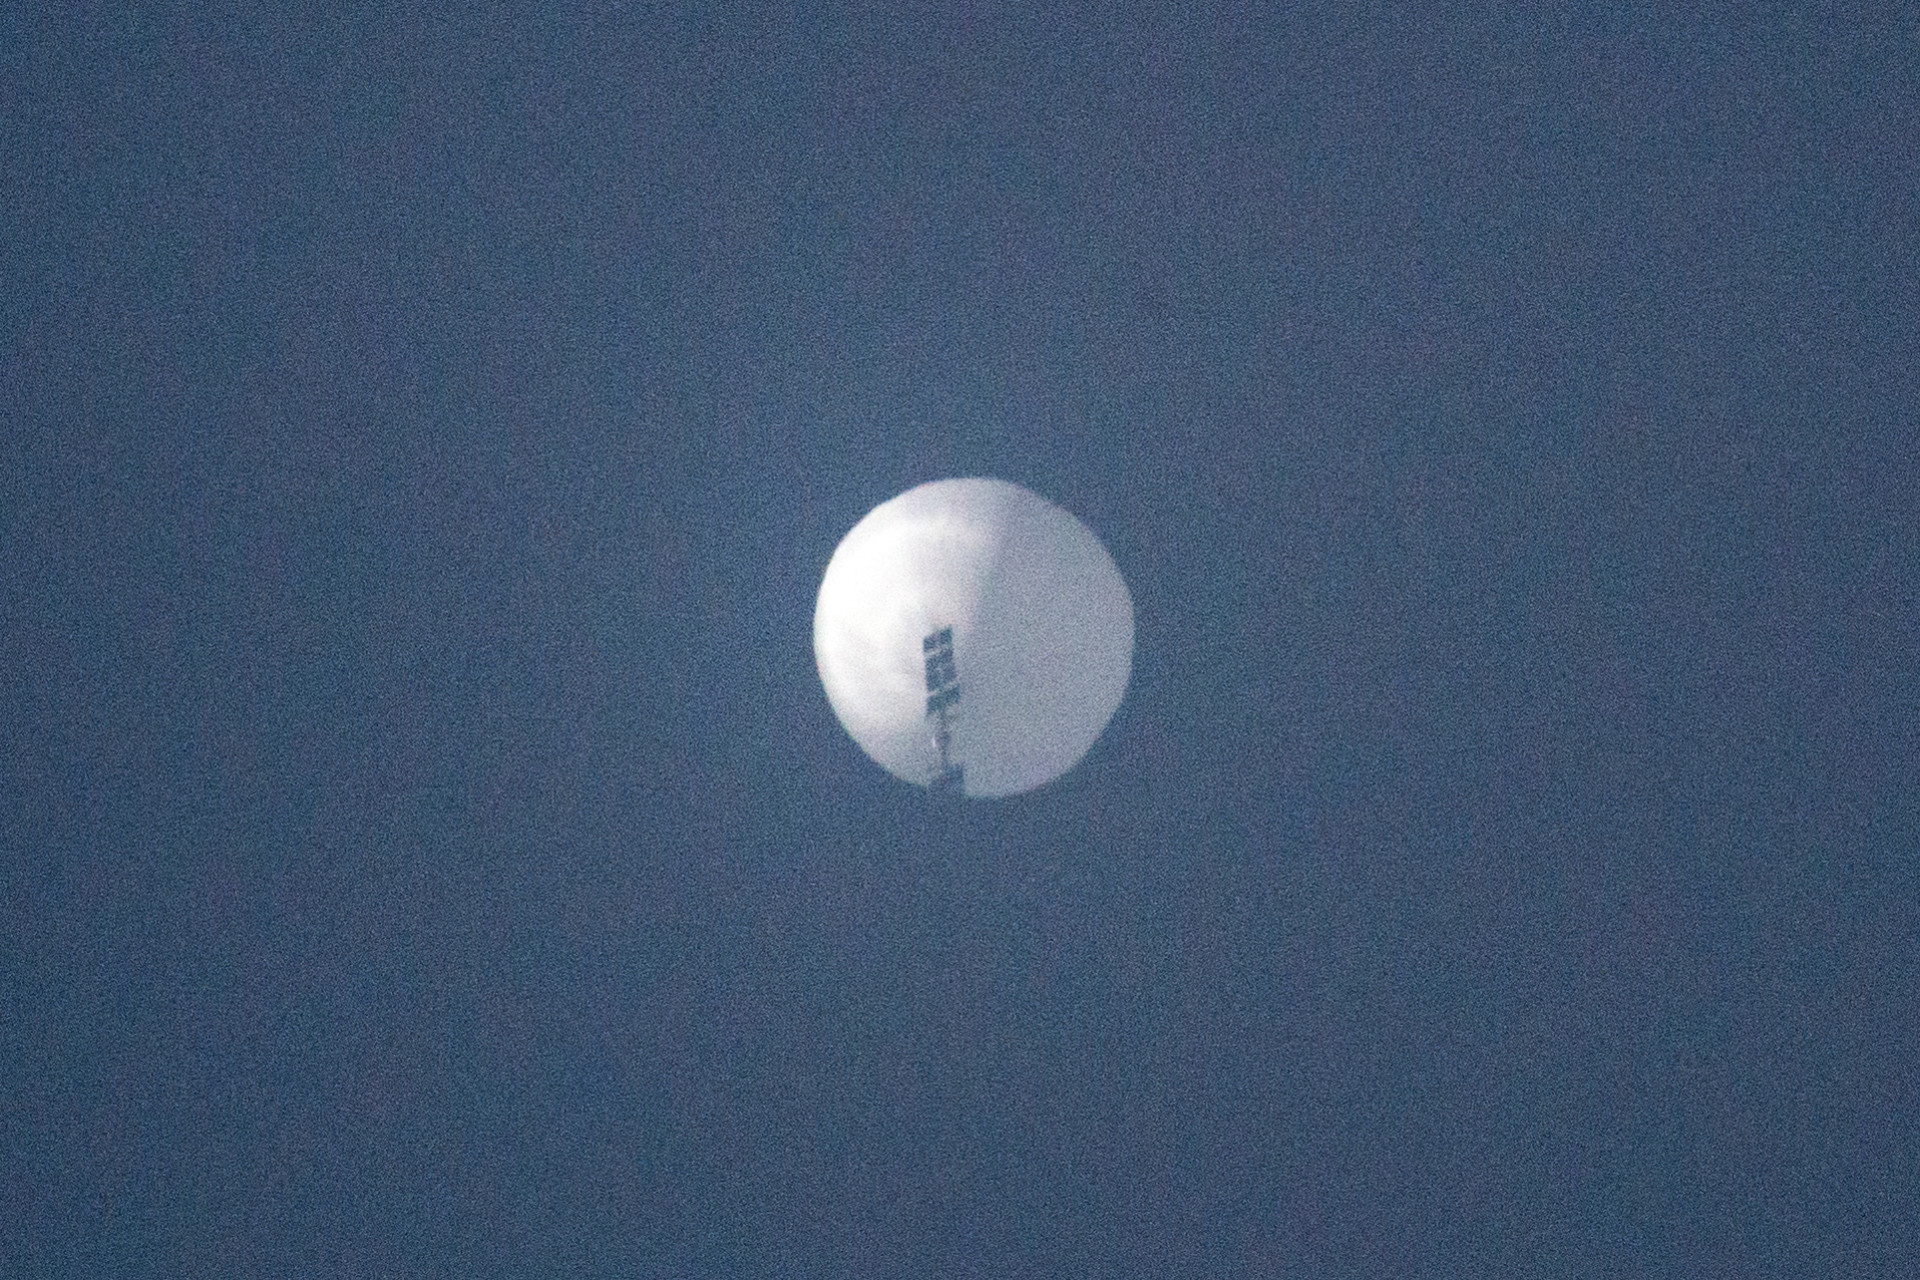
(973, 633)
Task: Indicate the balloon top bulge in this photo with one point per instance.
(1041, 646)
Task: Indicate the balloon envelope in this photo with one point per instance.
(1042, 633)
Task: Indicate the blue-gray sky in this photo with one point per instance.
(427, 850)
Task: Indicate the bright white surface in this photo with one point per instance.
(1042, 632)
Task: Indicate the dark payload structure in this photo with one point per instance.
(943, 691)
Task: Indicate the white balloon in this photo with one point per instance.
(1042, 633)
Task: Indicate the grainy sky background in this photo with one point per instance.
(427, 850)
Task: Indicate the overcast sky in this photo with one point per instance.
(425, 847)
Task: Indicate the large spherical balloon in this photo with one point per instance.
(973, 624)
